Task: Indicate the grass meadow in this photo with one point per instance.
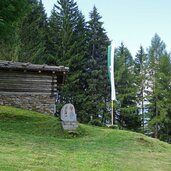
(31, 141)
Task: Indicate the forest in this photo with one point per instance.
(143, 81)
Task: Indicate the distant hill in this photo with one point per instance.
(33, 141)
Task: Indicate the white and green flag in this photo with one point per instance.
(111, 70)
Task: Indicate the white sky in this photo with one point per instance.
(133, 22)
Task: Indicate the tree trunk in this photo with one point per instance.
(143, 117)
(156, 125)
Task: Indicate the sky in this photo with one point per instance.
(133, 22)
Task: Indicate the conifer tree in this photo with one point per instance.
(70, 45)
(97, 90)
(159, 83)
(126, 89)
(11, 15)
(33, 34)
(164, 98)
(141, 74)
(53, 39)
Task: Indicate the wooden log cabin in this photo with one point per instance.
(30, 86)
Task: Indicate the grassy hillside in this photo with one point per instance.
(33, 141)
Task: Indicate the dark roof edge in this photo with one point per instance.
(31, 67)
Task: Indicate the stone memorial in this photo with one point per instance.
(68, 117)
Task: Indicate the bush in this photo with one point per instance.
(95, 122)
(114, 126)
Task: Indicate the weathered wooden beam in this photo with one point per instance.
(12, 81)
(28, 93)
(19, 76)
(28, 90)
(20, 86)
(31, 67)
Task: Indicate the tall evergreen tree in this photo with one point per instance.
(164, 98)
(11, 15)
(70, 44)
(97, 90)
(141, 73)
(126, 89)
(33, 34)
(53, 38)
(159, 83)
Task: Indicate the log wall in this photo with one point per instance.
(29, 90)
(27, 83)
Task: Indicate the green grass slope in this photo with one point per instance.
(33, 141)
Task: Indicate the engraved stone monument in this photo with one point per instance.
(68, 117)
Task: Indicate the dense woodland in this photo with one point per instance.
(143, 82)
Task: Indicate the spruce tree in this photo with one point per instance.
(11, 15)
(141, 74)
(126, 90)
(158, 84)
(70, 45)
(97, 87)
(33, 34)
(164, 98)
(53, 39)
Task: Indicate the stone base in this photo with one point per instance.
(39, 103)
(69, 126)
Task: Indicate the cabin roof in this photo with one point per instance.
(6, 65)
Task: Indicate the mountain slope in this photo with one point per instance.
(33, 141)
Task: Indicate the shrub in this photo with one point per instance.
(96, 122)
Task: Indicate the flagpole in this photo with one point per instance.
(112, 113)
(113, 96)
(112, 82)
